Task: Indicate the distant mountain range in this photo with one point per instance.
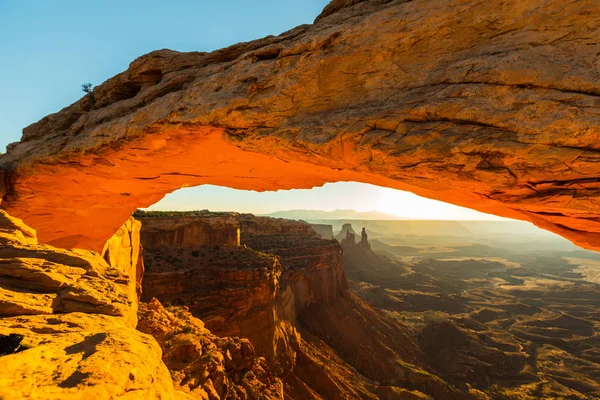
(308, 215)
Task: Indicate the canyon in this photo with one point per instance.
(488, 105)
(272, 315)
(442, 320)
(284, 288)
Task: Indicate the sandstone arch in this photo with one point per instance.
(491, 105)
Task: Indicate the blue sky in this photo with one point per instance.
(50, 47)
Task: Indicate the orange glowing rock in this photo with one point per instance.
(424, 96)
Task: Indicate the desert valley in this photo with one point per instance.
(424, 309)
(248, 307)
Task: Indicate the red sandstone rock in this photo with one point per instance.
(204, 365)
(244, 292)
(185, 231)
(77, 316)
(489, 105)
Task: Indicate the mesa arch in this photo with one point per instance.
(491, 105)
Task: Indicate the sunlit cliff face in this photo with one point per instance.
(429, 99)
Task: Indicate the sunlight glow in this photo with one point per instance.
(332, 196)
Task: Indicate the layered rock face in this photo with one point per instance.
(252, 226)
(75, 316)
(40, 279)
(211, 230)
(255, 290)
(489, 105)
(232, 290)
(312, 267)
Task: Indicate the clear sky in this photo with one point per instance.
(50, 47)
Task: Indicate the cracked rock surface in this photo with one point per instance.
(40, 279)
(491, 105)
(75, 316)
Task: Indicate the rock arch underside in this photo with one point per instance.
(491, 105)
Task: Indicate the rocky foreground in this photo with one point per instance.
(68, 330)
(76, 316)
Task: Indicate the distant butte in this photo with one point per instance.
(490, 105)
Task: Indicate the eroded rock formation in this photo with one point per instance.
(490, 105)
(343, 233)
(255, 290)
(290, 298)
(77, 316)
(204, 365)
(211, 229)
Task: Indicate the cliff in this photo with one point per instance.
(74, 316)
(252, 226)
(204, 365)
(285, 289)
(210, 230)
(232, 290)
(312, 267)
(485, 105)
(254, 290)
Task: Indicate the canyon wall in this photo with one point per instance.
(211, 230)
(252, 226)
(68, 327)
(255, 290)
(232, 290)
(488, 105)
(68, 318)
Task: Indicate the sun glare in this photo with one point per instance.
(331, 196)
